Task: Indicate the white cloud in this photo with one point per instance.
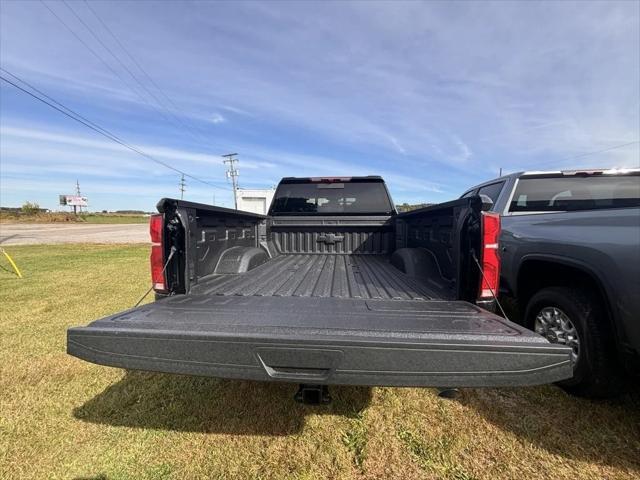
(216, 118)
(67, 156)
(235, 110)
(464, 152)
(396, 144)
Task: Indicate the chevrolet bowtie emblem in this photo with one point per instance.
(330, 238)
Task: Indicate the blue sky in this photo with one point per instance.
(433, 96)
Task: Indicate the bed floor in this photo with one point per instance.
(341, 276)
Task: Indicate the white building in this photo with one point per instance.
(254, 200)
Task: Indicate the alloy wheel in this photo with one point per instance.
(556, 326)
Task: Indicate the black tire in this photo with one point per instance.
(596, 373)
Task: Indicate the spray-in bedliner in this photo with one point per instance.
(340, 276)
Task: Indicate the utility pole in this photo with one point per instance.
(78, 195)
(182, 185)
(500, 174)
(232, 173)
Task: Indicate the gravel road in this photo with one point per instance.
(47, 233)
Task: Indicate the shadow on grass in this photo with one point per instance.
(598, 431)
(199, 404)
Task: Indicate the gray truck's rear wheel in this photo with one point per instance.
(574, 318)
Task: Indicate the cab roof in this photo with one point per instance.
(341, 179)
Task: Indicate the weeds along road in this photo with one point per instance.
(48, 233)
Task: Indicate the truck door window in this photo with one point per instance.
(470, 193)
(492, 191)
(557, 194)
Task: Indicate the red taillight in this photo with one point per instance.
(157, 275)
(490, 260)
(156, 226)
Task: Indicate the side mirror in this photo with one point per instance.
(487, 203)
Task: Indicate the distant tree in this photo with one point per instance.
(406, 207)
(30, 208)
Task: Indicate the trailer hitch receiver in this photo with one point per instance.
(313, 394)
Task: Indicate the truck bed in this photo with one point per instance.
(338, 276)
(337, 312)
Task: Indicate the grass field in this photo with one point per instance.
(58, 217)
(64, 418)
(113, 218)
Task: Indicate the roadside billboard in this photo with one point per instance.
(73, 200)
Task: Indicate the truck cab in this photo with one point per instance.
(570, 263)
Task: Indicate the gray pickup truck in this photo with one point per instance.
(570, 258)
(333, 286)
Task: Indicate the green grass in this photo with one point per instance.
(112, 218)
(355, 439)
(61, 417)
(60, 217)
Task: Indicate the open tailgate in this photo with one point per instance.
(323, 341)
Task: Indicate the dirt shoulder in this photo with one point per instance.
(54, 233)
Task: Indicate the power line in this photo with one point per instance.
(106, 47)
(601, 151)
(144, 72)
(79, 118)
(86, 45)
(586, 154)
(105, 63)
(56, 105)
(54, 100)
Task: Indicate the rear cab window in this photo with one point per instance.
(561, 193)
(335, 196)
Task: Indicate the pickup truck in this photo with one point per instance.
(331, 287)
(570, 258)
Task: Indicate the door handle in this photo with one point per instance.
(299, 364)
(297, 373)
